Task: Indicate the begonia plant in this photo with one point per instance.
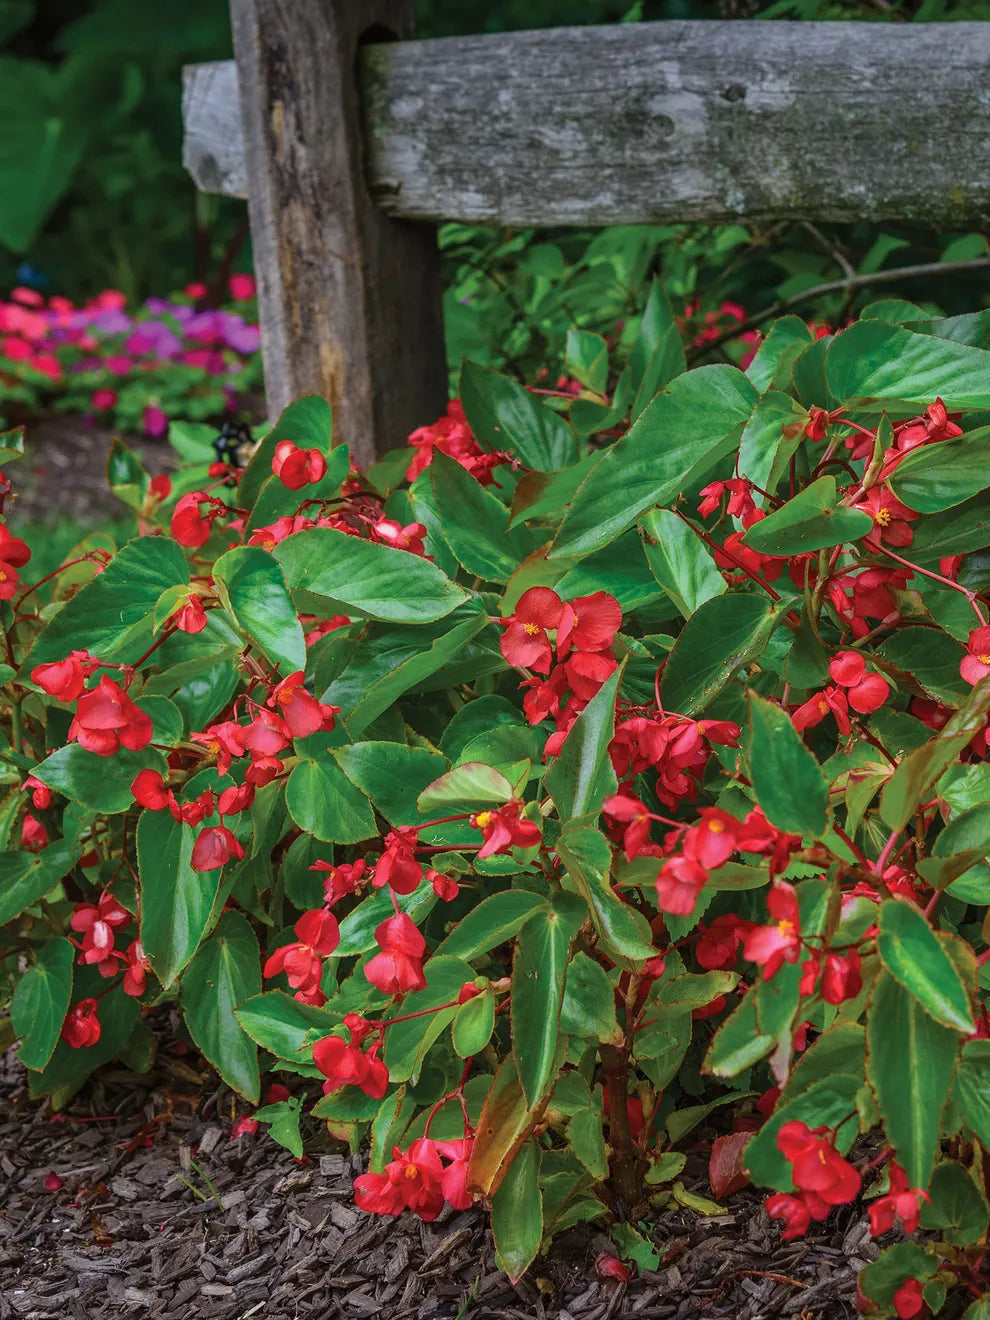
(594, 772)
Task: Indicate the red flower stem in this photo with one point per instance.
(408, 1017)
(983, 957)
(48, 577)
(857, 853)
(881, 862)
(971, 596)
(714, 546)
(166, 633)
(446, 820)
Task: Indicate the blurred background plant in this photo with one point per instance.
(99, 224)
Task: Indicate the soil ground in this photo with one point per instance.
(264, 1235)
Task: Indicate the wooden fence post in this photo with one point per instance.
(349, 298)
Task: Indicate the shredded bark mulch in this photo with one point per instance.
(162, 1215)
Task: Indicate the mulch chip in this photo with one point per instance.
(126, 1236)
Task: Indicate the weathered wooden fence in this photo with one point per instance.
(351, 142)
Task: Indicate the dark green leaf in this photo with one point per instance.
(873, 363)
(812, 520)
(468, 785)
(176, 901)
(224, 974)
(784, 340)
(582, 775)
(957, 1207)
(308, 422)
(972, 1090)
(720, 637)
(504, 415)
(937, 477)
(407, 1043)
(679, 560)
(363, 577)
(517, 1214)
(679, 437)
(493, 921)
(786, 777)
(26, 877)
(392, 775)
(913, 955)
(324, 802)
(474, 1023)
(280, 1024)
(253, 589)
(538, 971)
(476, 523)
(623, 931)
(737, 1044)
(588, 1006)
(102, 783)
(910, 1062)
(40, 1002)
(111, 615)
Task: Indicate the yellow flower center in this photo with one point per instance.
(984, 658)
(484, 819)
(882, 516)
(411, 1171)
(821, 1156)
(214, 747)
(716, 826)
(3, 576)
(532, 629)
(785, 927)
(823, 706)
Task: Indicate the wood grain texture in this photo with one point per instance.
(683, 120)
(349, 298)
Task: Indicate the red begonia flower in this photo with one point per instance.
(342, 878)
(398, 967)
(387, 531)
(107, 719)
(191, 527)
(587, 670)
(524, 642)
(843, 977)
(890, 517)
(976, 663)
(713, 840)
(780, 941)
(909, 1299)
(81, 1027)
(397, 867)
(148, 790)
(297, 467)
(344, 1064)
(866, 691)
(64, 678)
(588, 623)
(235, 799)
(718, 942)
(191, 618)
(136, 973)
(816, 708)
(224, 741)
(816, 1166)
(214, 847)
(34, 836)
(901, 1202)
(302, 713)
(636, 818)
(678, 885)
(504, 829)
(13, 550)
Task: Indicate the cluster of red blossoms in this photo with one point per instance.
(452, 435)
(14, 554)
(106, 718)
(855, 686)
(822, 1178)
(97, 923)
(418, 1180)
(584, 630)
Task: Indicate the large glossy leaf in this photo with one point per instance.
(517, 1214)
(538, 972)
(910, 1062)
(679, 560)
(764, 449)
(738, 1044)
(252, 587)
(720, 637)
(225, 973)
(873, 363)
(363, 577)
(493, 921)
(387, 662)
(280, 1024)
(324, 802)
(957, 1207)
(957, 531)
(25, 877)
(111, 615)
(476, 523)
(812, 520)
(787, 336)
(582, 775)
(937, 477)
(786, 777)
(393, 776)
(176, 901)
(504, 415)
(542, 495)
(913, 955)
(102, 783)
(972, 1089)
(588, 1006)
(680, 436)
(469, 785)
(41, 1000)
(622, 930)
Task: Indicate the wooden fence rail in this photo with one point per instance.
(329, 134)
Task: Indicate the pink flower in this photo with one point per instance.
(241, 287)
(780, 941)
(213, 848)
(976, 663)
(398, 967)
